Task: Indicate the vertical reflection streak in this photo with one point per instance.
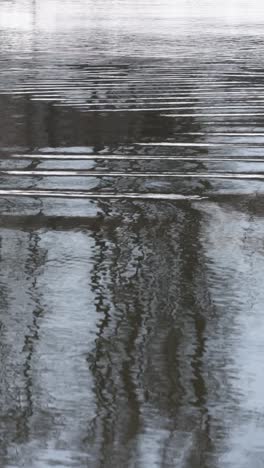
(196, 300)
(35, 259)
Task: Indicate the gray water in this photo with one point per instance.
(131, 234)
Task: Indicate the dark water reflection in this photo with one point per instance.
(131, 328)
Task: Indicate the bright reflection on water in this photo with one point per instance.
(131, 328)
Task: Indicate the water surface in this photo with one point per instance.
(131, 234)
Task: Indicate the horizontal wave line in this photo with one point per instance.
(95, 83)
(232, 114)
(80, 157)
(178, 89)
(191, 106)
(252, 134)
(80, 98)
(83, 194)
(87, 109)
(200, 145)
(84, 173)
(163, 75)
(182, 86)
(126, 95)
(117, 80)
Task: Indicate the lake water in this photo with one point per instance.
(131, 234)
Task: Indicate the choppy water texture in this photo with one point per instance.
(131, 234)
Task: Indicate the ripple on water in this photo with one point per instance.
(131, 235)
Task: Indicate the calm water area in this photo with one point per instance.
(131, 234)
